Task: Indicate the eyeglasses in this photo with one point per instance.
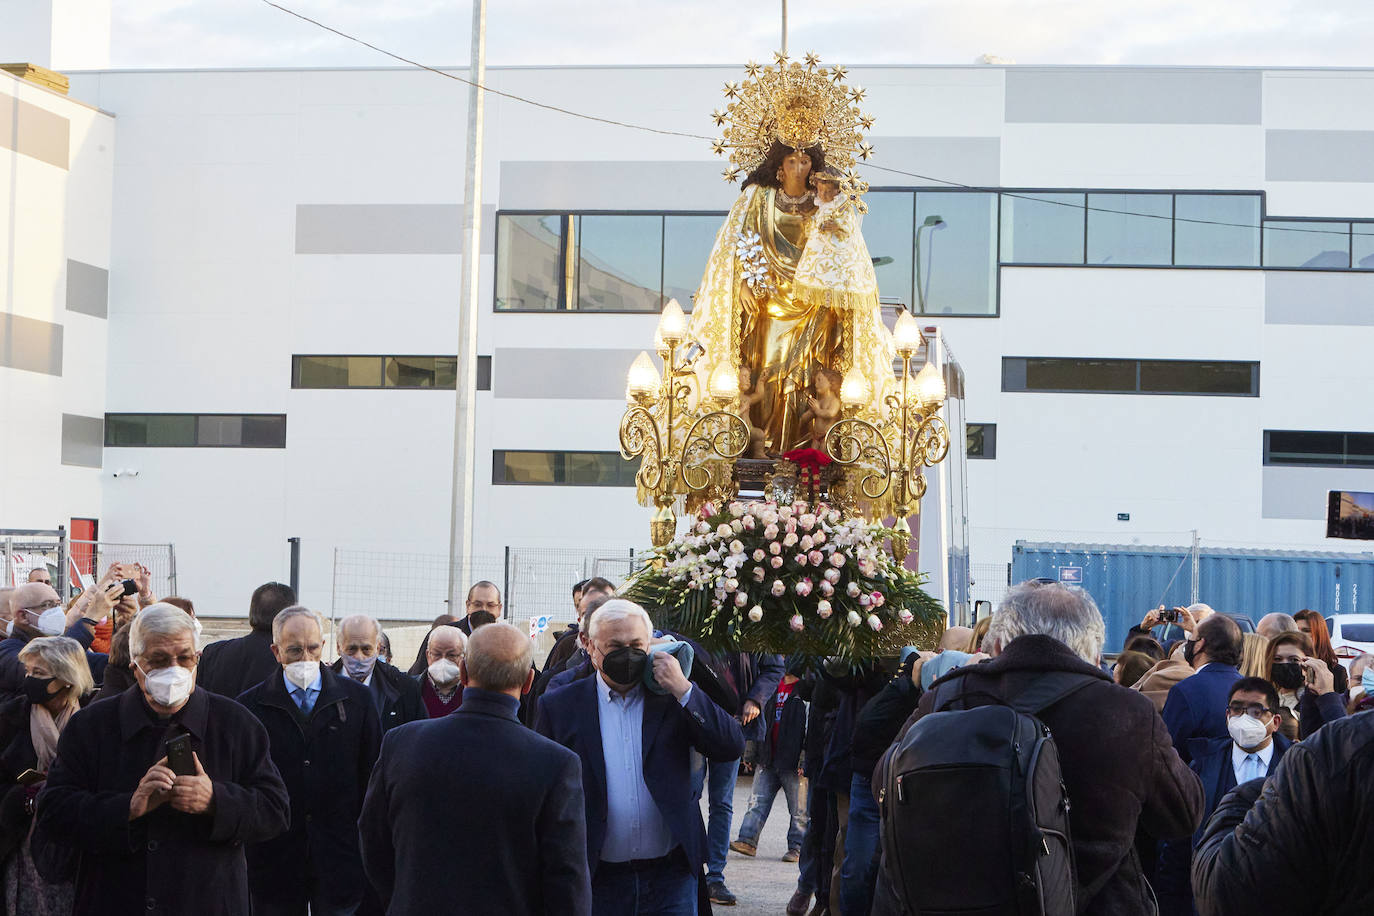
(1247, 709)
(45, 606)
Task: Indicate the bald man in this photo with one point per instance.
(528, 811)
(440, 687)
(36, 610)
(396, 696)
(956, 638)
(1272, 625)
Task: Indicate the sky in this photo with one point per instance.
(248, 33)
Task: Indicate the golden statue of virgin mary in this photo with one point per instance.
(789, 124)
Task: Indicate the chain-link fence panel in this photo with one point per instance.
(402, 586)
(93, 558)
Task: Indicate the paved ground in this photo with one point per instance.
(764, 883)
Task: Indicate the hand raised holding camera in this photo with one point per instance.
(1319, 678)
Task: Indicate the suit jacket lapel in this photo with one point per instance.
(656, 708)
(593, 753)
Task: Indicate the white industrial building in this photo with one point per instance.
(1160, 290)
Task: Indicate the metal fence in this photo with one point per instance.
(534, 581)
(77, 564)
(93, 558)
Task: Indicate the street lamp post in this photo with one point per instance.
(934, 224)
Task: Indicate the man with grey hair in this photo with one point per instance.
(396, 695)
(634, 724)
(324, 738)
(528, 811)
(1271, 625)
(156, 830)
(1117, 760)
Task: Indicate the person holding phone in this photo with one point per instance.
(56, 683)
(1307, 691)
(137, 835)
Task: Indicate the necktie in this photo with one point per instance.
(1253, 768)
(303, 700)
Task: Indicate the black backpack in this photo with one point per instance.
(975, 815)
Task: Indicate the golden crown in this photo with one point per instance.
(798, 103)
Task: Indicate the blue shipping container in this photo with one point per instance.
(1126, 581)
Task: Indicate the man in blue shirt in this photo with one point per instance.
(646, 845)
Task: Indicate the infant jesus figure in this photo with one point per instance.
(823, 407)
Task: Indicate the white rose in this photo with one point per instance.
(853, 590)
(737, 547)
(741, 599)
(756, 613)
(874, 622)
(823, 608)
(724, 531)
(854, 619)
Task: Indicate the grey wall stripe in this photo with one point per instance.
(30, 344)
(968, 160)
(88, 289)
(385, 228)
(1299, 492)
(33, 131)
(83, 440)
(583, 374)
(1308, 297)
(566, 185)
(1319, 155)
(1101, 96)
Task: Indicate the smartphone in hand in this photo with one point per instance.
(179, 756)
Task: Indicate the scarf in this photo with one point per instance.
(44, 730)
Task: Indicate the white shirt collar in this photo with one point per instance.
(607, 695)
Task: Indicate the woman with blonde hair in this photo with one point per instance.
(1254, 655)
(57, 682)
(980, 630)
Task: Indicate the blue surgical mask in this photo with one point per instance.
(1367, 680)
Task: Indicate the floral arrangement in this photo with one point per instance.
(791, 579)
(753, 263)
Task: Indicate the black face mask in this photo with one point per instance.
(36, 689)
(625, 665)
(1289, 675)
(1189, 650)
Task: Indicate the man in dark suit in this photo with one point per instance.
(484, 596)
(527, 812)
(646, 846)
(396, 695)
(1196, 706)
(1252, 750)
(231, 666)
(323, 737)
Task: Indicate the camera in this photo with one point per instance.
(1169, 615)
(130, 587)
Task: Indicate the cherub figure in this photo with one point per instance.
(751, 395)
(823, 407)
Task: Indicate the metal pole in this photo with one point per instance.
(172, 567)
(295, 565)
(784, 27)
(9, 561)
(505, 582)
(63, 561)
(1196, 567)
(464, 419)
(334, 594)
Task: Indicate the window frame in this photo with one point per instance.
(195, 420)
(1266, 453)
(498, 468)
(989, 452)
(382, 357)
(1137, 391)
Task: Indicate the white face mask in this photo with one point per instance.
(52, 621)
(443, 672)
(169, 686)
(1247, 731)
(302, 674)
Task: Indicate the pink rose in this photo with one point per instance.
(832, 576)
(878, 599)
(823, 608)
(802, 588)
(827, 589)
(874, 622)
(852, 590)
(759, 555)
(816, 557)
(775, 548)
(818, 538)
(865, 600)
(853, 619)
(770, 532)
(796, 623)
(904, 616)
(800, 559)
(776, 562)
(779, 587)
(748, 522)
(806, 542)
(758, 573)
(741, 599)
(837, 559)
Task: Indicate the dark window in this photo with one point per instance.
(530, 271)
(1039, 227)
(1216, 230)
(189, 430)
(1130, 376)
(981, 440)
(439, 372)
(568, 469)
(1128, 229)
(1322, 449)
(484, 373)
(1362, 250)
(1313, 244)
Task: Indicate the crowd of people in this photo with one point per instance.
(1221, 772)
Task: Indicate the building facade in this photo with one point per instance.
(1158, 282)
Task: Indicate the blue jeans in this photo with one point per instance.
(767, 782)
(860, 867)
(662, 890)
(720, 783)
